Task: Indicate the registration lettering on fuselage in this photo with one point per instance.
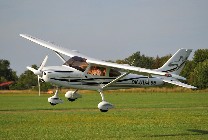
(143, 82)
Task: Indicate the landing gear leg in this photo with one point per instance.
(104, 106)
(102, 95)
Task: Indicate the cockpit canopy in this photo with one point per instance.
(78, 63)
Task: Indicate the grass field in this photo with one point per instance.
(136, 116)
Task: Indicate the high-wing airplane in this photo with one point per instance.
(83, 72)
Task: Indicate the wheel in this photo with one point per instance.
(71, 100)
(52, 104)
(103, 110)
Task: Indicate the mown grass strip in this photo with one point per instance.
(136, 116)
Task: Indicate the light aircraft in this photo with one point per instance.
(83, 72)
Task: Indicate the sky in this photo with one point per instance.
(103, 29)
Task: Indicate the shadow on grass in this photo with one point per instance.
(46, 109)
(196, 132)
(202, 132)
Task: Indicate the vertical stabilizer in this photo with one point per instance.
(176, 63)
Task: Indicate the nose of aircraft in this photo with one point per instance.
(45, 76)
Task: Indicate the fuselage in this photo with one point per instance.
(67, 76)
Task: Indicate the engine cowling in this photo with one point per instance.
(72, 95)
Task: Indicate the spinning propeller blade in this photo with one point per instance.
(31, 69)
(39, 85)
(43, 63)
(39, 71)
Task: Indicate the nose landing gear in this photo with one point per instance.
(54, 100)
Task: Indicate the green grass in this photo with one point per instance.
(136, 116)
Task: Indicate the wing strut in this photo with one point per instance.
(115, 80)
(118, 78)
(61, 57)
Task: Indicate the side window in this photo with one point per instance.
(97, 70)
(114, 73)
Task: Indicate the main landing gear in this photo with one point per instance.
(104, 106)
(72, 95)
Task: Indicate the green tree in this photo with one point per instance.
(188, 71)
(195, 70)
(160, 61)
(200, 55)
(200, 75)
(157, 63)
(120, 61)
(26, 80)
(6, 73)
(139, 60)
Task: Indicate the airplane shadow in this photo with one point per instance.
(202, 132)
(46, 109)
(195, 132)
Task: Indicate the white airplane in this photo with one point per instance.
(82, 72)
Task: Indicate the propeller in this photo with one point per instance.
(39, 71)
(39, 85)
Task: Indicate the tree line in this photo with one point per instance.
(196, 70)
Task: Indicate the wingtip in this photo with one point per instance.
(22, 35)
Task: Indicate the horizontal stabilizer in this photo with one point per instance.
(179, 83)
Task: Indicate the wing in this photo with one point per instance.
(89, 60)
(175, 82)
(53, 46)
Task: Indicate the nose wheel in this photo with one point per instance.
(52, 103)
(54, 100)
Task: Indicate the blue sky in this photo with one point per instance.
(104, 29)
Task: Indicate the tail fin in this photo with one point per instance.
(176, 63)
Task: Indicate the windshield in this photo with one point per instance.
(78, 63)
